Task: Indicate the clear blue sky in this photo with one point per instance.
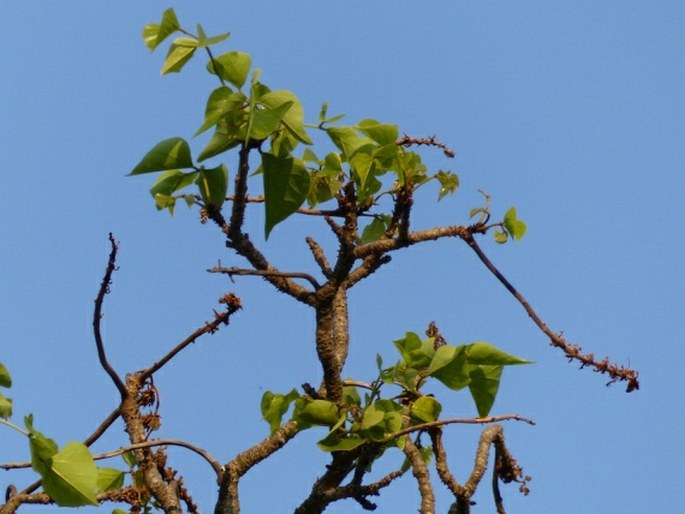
(572, 111)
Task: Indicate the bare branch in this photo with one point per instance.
(265, 273)
(572, 351)
(97, 316)
(232, 303)
(420, 472)
(430, 141)
(466, 421)
(319, 257)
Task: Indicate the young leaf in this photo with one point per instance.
(72, 478)
(483, 386)
(286, 183)
(170, 154)
(231, 66)
(5, 379)
(274, 406)
(213, 184)
(154, 34)
(180, 52)
(204, 41)
(513, 225)
(376, 229)
(220, 102)
(449, 182)
(42, 448)
(485, 353)
(501, 236)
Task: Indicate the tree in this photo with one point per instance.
(364, 190)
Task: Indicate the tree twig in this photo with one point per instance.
(265, 273)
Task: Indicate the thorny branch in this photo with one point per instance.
(97, 317)
(408, 141)
(572, 351)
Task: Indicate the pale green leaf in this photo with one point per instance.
(154, 34)
(381, 133)
(274, 406)
(315, 412)
(426, 409)
(232, 66)
(109, 479)
(171, 181)
(294, 117)
(333, 442)
(225, 137)
(72, 478)
(485, 353)
(5, 407)
(449, 366)
(180, 52)
(266, 121)
(221, 102)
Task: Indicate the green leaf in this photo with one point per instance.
(5, 379)
(42, 448)
(363, 165)
(266, 121)
(426, 409)
(376, 229)
(213, 184)
(171, 181)
(294, 116)
(334, 442)
(315, 412)
(180, 52)
(129, 458)
(165, 202)
(274, 406)
(449, 182)
(225, 137)
(72, 477)
(119, 511)
(109, 479)
(232, 66)
(381, 133)
(372, 417)
(513, 225)
(484, 386)
(412, 350)
(485, 353)
(351, 396)
(501, 237)
(170, 154)
(449, 366)
(204, 41)
(286, 183)
(220, 102)
(154, 34)
(5, 407)
(347, 140)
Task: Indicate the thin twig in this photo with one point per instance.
(466, 421)
(408, 141)
(97, 317)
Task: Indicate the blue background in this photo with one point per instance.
(572, 111)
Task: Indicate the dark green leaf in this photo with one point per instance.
(334, 442)
(426, 409)
(485, 353)
(351, 396)
(225, 137)
(375, 230)
(180, 52)
(382, 133)
(171, 181)
(170, 154)
(483, 386)
(213, 184)
(449, 366)
(154, 34)
(5, 379)
(286, 183)
(232, 66)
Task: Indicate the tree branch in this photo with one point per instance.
(572, 351)
(264, 273)
(97, 316)
(420, 472)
